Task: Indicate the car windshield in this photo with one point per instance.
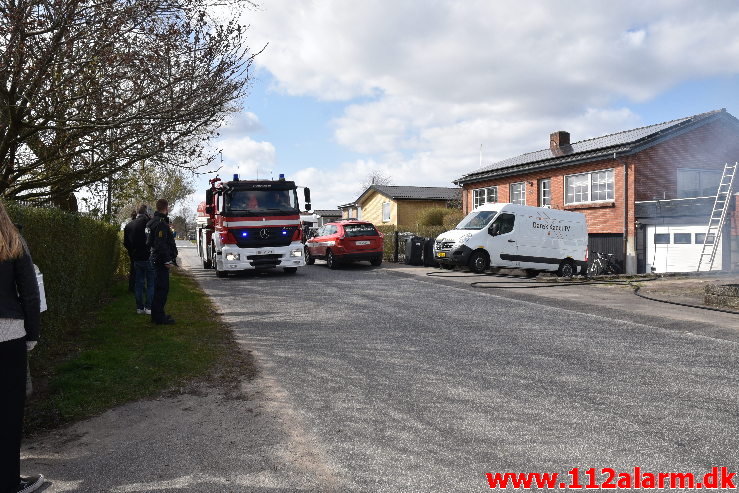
(476, 220)
(262, 200)
(359, 230)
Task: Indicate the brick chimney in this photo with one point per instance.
(558, 140)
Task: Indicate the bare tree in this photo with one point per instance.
(375, 177)
(90, 88)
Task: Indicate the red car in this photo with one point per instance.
(345, 241)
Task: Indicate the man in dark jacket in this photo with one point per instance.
(134, 239)
(131, 269)
(163, 255)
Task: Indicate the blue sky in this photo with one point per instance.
(412, 89)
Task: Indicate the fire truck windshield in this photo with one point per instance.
(262, 201)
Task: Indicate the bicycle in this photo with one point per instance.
(603, 264)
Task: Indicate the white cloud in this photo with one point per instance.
(246, 157)
(427, 82)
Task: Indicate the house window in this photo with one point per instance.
(682, 238)
(700, 238)
(596, 186)
(359, 213)
(386, 212)
(545, 192)
(482, 196)
(662, 238)
(518, 193)
(697, 182)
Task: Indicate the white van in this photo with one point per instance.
(516, 236)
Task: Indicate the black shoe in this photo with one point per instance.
(168, 320)
(27, 485)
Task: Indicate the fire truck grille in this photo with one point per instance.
(264, 237)
(264, 260)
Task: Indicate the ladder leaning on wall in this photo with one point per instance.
(721, 205)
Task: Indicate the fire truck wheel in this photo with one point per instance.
(290, 270)
(219, 273)
(331, 260)
(309, 260)
(376, 261)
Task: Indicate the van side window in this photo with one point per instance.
(505, 223)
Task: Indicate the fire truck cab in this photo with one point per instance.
(251, 224)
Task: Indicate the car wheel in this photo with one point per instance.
(290, 270)
(309, 260)
(376, 261)
(566, 268)
(331, 260)
(479, 262)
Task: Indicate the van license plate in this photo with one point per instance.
(441, 254)
(264, 252)
(363, 242)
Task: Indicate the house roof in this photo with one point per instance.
(327, 212)
(621, 143)
(395, 192)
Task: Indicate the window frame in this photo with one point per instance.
(700, 188)
(589, 199)
(484, 195)
(522, 199)
(386, 219)
(547, 181)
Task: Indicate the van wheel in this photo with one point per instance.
(376, 262)
(331, 260)
(290, 270)
(479, 262)
(566, 268)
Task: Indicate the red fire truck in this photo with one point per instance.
(245, 225)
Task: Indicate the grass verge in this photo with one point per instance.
(116, 356)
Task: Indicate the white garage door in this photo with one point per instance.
(677, 249)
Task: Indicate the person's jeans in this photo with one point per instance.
(158, 316)
(145, 274)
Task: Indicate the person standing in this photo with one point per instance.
(131, 271)
(163, 255)
(20, 315)
(134, 239)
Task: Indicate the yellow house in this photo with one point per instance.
(397, 205)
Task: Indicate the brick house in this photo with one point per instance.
(398, 205)
(647, 193)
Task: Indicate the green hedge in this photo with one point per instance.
(77, 255)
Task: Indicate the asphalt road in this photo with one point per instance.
(400, 383)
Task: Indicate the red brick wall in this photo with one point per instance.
(706, 147)
(651, 173)
(601, 217)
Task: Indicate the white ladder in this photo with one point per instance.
(712, 239)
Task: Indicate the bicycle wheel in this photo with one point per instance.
(595, 269)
